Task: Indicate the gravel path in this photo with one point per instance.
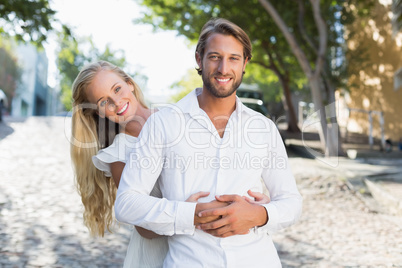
(337, 229)
(41, 213)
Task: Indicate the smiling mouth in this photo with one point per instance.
(223, 80)
(123, 109)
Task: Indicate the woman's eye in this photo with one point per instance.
(103, 103)
(117, 89)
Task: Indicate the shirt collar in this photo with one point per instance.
(189, 104)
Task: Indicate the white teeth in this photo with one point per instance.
(123, 109)
(223, 80)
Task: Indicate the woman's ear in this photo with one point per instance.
(131, 86)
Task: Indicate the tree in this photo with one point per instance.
(313, 72)
(397, 19)
(309, 42)
(10, 72)
(269, 49)
(188, 83)
(26, 20)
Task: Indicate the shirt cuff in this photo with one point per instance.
(272, 223)
(184, 222)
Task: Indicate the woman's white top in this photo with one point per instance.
(141, 252)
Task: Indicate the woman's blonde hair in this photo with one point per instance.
(90, 133)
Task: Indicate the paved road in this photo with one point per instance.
(41, 216)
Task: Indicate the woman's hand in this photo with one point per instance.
(205, 206)
(194, 197)
(146, 233)
(259, 198)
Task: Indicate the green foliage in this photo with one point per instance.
(26, 20)
(270, 49)
(10, 72)
(73, 55)
(266, 80)
(188, 83)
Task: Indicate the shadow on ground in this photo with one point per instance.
(5, 130)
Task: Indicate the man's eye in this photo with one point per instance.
(234, 58)
(117, 89)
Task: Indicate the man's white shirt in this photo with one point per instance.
(181, 150)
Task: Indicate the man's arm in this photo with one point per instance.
(133, 204)
(285, 207)
(283, 210)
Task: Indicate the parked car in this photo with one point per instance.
(251, 92)
(256, 105)
(3, 103)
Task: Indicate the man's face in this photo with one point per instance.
(222, 65)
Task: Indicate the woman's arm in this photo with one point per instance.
(116, 168)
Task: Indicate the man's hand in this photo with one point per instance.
(206, 207)
(236, 218)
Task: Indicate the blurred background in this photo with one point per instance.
(328, 73)
(346, 53)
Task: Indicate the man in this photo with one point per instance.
(211, 142)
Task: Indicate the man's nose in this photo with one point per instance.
(223, 66)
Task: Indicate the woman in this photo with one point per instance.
(109, 112)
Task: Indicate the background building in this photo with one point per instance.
(33, 96)
(375, 81)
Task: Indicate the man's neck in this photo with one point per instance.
(214, 106)
(217, 109)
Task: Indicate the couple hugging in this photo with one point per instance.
(210, 212)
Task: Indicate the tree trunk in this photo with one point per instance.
(319, 108)
(335, 131)
(313, 76)
(283, 77)
(292, 119)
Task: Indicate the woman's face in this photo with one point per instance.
(113, 97)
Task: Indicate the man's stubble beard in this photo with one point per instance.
(212, 89)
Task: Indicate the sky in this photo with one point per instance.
(164, 57)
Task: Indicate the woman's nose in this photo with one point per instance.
(115, 102)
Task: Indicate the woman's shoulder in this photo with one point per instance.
(116, 152)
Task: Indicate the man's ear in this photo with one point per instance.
(245, 63)
(198, 59)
